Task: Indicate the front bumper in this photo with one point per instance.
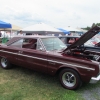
(95, 79)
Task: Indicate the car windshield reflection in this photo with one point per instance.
(52, 44)
(93, 41)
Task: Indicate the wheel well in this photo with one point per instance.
(68, 76)
(58, 71)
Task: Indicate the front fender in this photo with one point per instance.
(84, 73)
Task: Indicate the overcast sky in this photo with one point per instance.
(57, 13)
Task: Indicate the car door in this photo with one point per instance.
(35, 59)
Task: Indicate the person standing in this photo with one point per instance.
(20, 33)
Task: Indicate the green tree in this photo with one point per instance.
(88, 27)
(98, 24)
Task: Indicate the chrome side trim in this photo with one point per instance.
(8, 52)
(78, 66)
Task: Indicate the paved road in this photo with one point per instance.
(90, 91)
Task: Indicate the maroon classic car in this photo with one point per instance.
(50, 55)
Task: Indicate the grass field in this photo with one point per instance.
(24, 84)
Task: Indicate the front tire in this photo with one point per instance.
(5, 63)
(70, 79)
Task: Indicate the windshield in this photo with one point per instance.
(93, 41)
(53, 44)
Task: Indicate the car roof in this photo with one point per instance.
(15, 38)
(33, 36)
(70, 36)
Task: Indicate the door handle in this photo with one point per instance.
(20, 51)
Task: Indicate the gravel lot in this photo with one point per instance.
(90, 91)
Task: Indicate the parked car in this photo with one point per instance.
(68, 40)
(92, 45)
(49, 55)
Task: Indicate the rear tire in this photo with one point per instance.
(70, 79)
(5, 63)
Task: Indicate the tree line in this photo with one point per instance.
(88, 27)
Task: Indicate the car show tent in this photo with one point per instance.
(14, 28)
(4, 25)
(64, 31)
(71, 29)
(74, 31)
(42, 29)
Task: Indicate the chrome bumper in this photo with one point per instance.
(95, 79)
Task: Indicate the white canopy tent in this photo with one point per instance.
(74, 31)
(84, 31)
(42, 29)
(14, 28)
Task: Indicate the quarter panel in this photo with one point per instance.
(10, 53)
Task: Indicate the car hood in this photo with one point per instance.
(84, 38)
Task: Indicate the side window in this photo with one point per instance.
(63, 40)
(29, 43)
(17, 43)
(71, 40)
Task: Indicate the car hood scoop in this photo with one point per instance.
(84, 38)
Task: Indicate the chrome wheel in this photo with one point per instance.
(69, 79)
(4, 62)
